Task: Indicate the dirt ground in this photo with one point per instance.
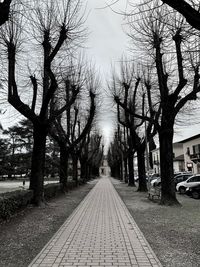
(173, 232)
(25, 235)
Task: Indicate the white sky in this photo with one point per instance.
(106, 44)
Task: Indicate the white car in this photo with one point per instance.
(193, 180)
(156, 182)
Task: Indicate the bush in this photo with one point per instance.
(54, 189)
(51, 190)
(11, 202)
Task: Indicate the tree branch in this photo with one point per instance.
(191, 15)
(35, 87)
(182, 81)
(4, 11)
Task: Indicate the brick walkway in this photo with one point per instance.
(100, 232)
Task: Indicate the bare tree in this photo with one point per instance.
(71, 129)
(177, 80)
(91, 156)
(52, 27)
(114, 157)
(132, 102)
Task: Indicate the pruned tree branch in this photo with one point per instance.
(191, 15)
(4, 11)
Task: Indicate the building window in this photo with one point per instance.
(196, 149)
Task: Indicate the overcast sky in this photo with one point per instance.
(106, 44)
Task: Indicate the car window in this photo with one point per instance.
(197, 179)
(186, 176)
(180, 176)
(192, 179)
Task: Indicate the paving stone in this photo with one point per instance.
(100, 232)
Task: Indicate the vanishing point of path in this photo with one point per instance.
(100, 232)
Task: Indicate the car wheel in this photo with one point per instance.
(195, 195)
(182, 190)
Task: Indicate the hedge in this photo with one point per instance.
(11, 202)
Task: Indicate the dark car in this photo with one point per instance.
(182, 177)
(193, 191)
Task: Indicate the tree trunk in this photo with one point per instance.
(64, 156)
(117, 170)
(141, 170)
(83, 169)
(125, 170)
(75, 168)
(89, 171)
(121, 169)
(131, 180)
(38, 164)
(168, 194)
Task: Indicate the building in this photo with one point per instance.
(104, 168)
(191, 150)
(178, 163)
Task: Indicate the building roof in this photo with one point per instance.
(182, 141)
(190, 138)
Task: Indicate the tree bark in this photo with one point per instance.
(84, 167)
(75, 168)
(121, 169)
(141, 169)
(4, 11)
(168, 194)
(125, 170)
(38, 164)
(131, 180)
(64, 156)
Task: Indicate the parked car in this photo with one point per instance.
(179, 173)
(191, 181)
(156, 182)
(182, 177)
(152, 177)
(193, 191)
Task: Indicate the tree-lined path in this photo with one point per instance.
(100, 232)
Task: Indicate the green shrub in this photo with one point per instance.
(11, 202)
